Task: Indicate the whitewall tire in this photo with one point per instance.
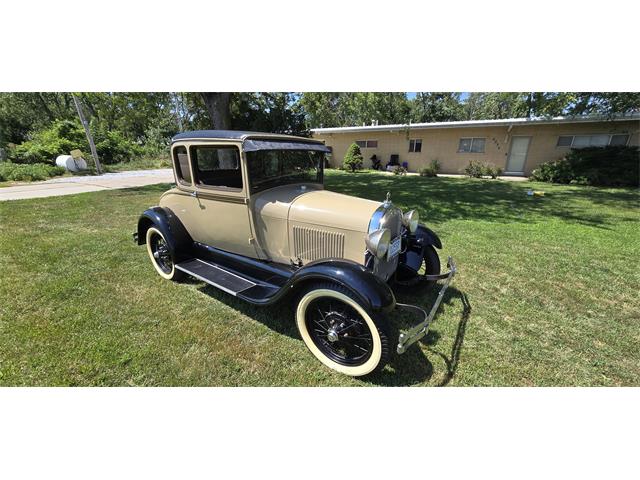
(339, 331)
(160, 255)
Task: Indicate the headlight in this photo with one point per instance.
(410, 220)
(378, 242)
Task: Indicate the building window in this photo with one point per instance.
(471, 145)
(415, 145)
(619, 140)
(565, 141)
(599, 140)
(367, 143)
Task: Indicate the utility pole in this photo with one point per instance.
(92, 146)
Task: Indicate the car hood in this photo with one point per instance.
(316, 207)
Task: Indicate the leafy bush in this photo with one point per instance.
(59, 139)
(492, 171)
(475, 169)
(557, 171)
(432, 170)
(23, 172)
(399, 170)
(617, 166)
(63, 136)
(353, 158)
(113, 147)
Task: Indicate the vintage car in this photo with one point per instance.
(249, 215)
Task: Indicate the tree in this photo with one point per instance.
(276, 112)
(321, 109)
(353, 158)
(23, 112)
(217, 104)
(436, 107)
(495, 105)
(334, 109)
(604, 103)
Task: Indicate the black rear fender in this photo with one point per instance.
(177, 237)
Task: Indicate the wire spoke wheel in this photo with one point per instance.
(339, 331)
(161, 253)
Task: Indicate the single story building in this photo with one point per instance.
(517, 145)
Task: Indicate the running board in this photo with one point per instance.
(215, 275)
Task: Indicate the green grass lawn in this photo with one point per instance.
(547, 294)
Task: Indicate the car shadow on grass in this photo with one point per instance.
(411, 368)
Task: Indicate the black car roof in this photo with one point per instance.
(236, 135)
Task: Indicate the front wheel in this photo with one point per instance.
(340, 331)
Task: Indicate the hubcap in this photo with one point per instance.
(332, 335)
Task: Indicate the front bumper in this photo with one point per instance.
(414, 334)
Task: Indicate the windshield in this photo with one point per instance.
(273, 168)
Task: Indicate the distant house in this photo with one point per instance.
(518, 145)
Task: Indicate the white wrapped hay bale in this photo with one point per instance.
(71, 164)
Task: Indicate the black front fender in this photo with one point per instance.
(178, 239)
(426, 236)
(415, 245)
(372, 291)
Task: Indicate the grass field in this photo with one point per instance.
(547, 294)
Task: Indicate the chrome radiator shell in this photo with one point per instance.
(386, 216)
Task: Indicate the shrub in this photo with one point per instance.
(475, 169)
(113, 147)
(617, 166)
(399, 170)
(63, 136)
(432, 170)
(45, 145)
(492, 171)
(353, 158)
(557, 171)
(28, 172)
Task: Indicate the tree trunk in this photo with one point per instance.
(92, 146)
(217, 104)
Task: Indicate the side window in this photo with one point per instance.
(181, 161)
(217, 166)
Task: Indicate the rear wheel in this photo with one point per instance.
(160, 255)
(340, 331)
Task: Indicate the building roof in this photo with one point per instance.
(236, 135)
(478, 123)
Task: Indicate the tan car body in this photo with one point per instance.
(295, 223)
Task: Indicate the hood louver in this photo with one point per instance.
(314, 244)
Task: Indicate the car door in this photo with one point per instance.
(219, 208)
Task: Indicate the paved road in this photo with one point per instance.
(81, 184)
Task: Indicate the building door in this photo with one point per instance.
(518, 154)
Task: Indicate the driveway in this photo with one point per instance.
(81, 184)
